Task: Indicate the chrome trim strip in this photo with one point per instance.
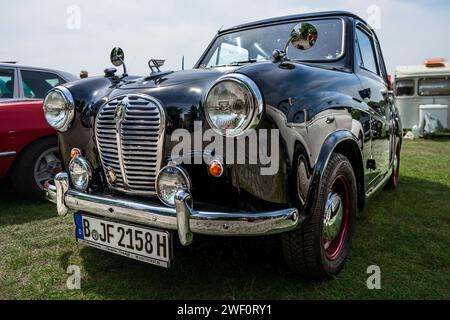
(381, 183)
(119, 140)
(201, 222)
(8, 154)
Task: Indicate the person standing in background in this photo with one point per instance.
(83, 74)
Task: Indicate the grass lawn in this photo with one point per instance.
(405, 232)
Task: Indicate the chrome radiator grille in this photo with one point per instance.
(129, 131)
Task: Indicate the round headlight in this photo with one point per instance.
(59, 108)
(80, 172)
(171, 179)
(233, 105)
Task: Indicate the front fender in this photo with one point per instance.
(330, 144)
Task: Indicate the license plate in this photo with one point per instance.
(136, 242)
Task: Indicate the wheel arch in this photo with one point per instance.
(344, 142)
(350, 149)
(26, 148)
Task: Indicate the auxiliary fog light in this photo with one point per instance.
(171, 179)
(80, 172)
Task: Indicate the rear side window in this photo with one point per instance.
(6, 83)
(434, 87)
(366, 55)
(36, 84)
(404, 88)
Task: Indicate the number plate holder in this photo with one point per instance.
(130, 240)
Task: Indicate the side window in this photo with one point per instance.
(36, 84)
(367, 52)
(6, 83)
(434, 87)
(404, 88)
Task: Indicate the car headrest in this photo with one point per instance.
(9, 86)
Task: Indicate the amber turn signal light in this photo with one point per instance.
(74, 153)
(215, 168)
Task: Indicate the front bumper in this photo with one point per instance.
(181, 218)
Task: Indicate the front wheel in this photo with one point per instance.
(320, 247)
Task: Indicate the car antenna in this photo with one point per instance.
(182, 62)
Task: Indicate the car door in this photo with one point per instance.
(375, 94)
(8, 91)
(391, 112)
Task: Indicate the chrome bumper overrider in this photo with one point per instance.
(182, 218)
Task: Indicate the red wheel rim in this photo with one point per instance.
(334, 246)
(396, 170)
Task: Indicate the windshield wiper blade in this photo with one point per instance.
(236, 63)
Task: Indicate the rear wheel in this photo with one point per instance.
(320, 247)
(37, 164)
(393, 180)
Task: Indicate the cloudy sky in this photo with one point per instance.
(78, 34)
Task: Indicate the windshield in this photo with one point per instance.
(257, 44)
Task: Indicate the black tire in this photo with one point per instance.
(393, 180)
(305, 248)
(22, 176)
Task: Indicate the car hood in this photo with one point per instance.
(167, 79)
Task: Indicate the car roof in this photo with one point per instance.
(66, 75)
(421, 70)
(293, 17)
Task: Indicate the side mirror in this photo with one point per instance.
(117, 58)
(304, 36)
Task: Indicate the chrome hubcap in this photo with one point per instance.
(334, 213)
(47, 166)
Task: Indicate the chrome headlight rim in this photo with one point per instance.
(69, 108)
(183, 173)
(257, 104)
(89, 171)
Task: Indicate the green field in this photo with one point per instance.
(405, 232)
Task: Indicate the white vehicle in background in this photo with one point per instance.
(423, 96)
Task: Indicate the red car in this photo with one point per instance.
(28, 146)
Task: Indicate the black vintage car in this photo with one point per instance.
(307, 96)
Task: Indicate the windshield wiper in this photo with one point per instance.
(237, 63)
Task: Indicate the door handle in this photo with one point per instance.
(365, 93)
